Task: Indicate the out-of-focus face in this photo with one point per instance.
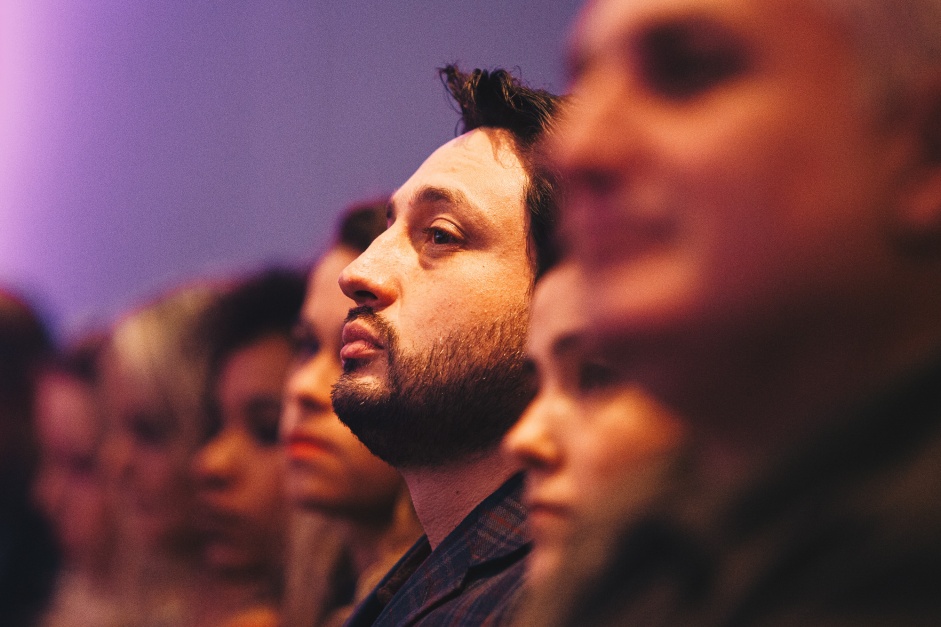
(725, 169)
(70, 485)
(587, 436)
(329, 469)
(149, 452)
(239, 470)
(443, 296)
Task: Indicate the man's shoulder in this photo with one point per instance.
(474, 575)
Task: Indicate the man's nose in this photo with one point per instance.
(369, 279)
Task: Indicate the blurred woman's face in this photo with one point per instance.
(587, 438)
(149, 454)
(329, 469)
(70, 486)
(239, 470)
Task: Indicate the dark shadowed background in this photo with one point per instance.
(145, 143)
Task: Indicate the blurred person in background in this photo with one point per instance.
(154, 376)
(753, 190)
(239, 467)
(28, 558)
(329, 470)
(72, 488)
(590, 442)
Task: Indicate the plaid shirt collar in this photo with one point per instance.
(493, 531)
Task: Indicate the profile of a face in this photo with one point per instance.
(71, 486)
(152, 384)
(432, 373)
(589, 440)
(238, 470)
(329, 469)
(723, 165)
(148, 456)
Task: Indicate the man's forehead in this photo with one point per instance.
(479, 163)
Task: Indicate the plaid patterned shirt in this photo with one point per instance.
(472, 578)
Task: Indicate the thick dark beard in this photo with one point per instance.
(444, 406)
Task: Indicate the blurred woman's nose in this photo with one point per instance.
(531, 441)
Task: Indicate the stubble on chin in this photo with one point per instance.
(453, 401)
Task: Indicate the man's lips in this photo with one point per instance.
(359, 341)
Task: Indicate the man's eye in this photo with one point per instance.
(440, 237)
(682, 61)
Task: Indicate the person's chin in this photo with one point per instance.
(545, 564)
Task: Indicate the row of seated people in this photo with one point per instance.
(696, 302)
(189, 464)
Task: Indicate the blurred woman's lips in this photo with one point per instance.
(301, 447)
(546, 518)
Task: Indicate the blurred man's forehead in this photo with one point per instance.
(605, 25)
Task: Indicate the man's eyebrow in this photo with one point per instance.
(432, 195)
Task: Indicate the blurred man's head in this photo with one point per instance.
(432, 353)
(751, 181)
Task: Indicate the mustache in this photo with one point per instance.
(383, 329)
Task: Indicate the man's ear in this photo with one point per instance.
(920, 213)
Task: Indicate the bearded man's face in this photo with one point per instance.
(433, 370)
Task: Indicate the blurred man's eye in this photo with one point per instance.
(684, 60)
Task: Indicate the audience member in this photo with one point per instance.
(239, 472)
(28, 559)
(433, 374)
(590, 442)
(329, 470)
(72, 488)
(754, 195)
(154, 375)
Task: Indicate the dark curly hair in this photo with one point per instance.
(497, 99)
(260, 305)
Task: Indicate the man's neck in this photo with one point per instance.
(444, 496)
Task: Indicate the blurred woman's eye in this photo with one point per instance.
(263, 416)
(149, 429)
(213, 424)
(597, 376)
(82, 465)
(304, 342)
(684, 60)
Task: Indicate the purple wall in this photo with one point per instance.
(144, 143)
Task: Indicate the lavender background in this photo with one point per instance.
(145, 143)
